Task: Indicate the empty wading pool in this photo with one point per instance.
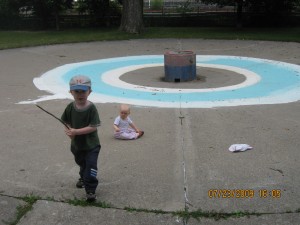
(180, 66)
(266, 82)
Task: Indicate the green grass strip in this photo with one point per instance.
(23, 209)
(17, 39)
(198, 214)
(84, 203)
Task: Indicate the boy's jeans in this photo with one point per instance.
(87, 161)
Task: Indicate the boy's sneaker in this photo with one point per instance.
(80, 183)
(91, 197)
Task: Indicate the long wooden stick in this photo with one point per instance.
(66, 125)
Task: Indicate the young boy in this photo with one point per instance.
(124, 128)
(82, 117)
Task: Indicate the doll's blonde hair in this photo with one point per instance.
(124, 107)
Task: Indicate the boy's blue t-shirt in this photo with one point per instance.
(79, 118)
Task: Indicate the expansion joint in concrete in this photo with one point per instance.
(183, 152)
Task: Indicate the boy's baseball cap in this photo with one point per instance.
(80, 83)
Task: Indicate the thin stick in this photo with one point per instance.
(66, 125)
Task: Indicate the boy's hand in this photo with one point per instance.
(71, 132)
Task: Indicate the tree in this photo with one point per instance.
(98, 9)
(44, 9)
(274, 10)
(11, 7)
(238, 3)
(239, 14)
(57, 7)
(132, 16)
(41, 10)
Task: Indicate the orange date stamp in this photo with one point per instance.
(244, 193)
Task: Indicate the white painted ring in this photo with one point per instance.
(112, 78)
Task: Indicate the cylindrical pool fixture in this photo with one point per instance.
(180, 66)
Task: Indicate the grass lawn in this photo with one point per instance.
(16, 39)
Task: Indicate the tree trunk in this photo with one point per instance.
(57, 21)
(132, 16)
(239, 17)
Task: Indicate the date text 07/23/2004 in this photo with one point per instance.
(244, 193)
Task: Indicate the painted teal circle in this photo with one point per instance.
(276, 78)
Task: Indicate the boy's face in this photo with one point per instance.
(80, 96)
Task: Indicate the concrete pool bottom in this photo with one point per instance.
(206, 78)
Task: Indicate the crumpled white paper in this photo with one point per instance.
(239, 147)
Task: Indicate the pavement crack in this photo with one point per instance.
(184, 215)
(277, 170)
(183, 152)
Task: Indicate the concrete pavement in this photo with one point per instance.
(182, 162)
